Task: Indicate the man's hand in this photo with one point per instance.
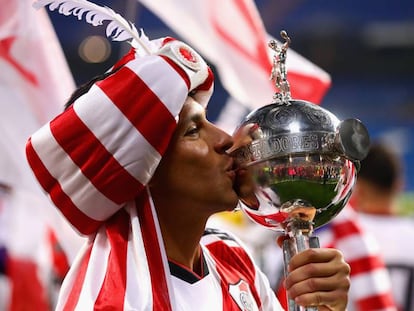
(319, 277)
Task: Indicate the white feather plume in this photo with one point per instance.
(118, 29)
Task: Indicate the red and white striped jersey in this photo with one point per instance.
(394, 232)
(110, 273)
(230, 280)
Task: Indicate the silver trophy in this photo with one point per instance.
(303, 161)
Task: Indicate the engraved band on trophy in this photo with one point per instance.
(303, 161)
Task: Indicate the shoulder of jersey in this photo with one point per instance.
(212, 235)
(222, 234)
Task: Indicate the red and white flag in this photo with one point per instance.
(35, 81)
(230, 35)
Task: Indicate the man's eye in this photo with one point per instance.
(192, 130)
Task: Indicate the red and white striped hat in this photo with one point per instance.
(94, 161)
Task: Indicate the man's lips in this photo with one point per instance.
(231, 169)
(231, 174)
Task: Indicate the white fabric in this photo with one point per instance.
(35, 81)
(231, 35)
(395, 234)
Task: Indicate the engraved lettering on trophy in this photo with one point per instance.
(260, 147)
(289, 143)
(296, 142)
(310, 142)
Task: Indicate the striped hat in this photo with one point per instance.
(94, 161)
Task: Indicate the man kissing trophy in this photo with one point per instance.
(303, 161)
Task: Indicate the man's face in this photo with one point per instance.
(196, 170)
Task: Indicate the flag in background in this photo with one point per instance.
(35, 81)
(230, 35)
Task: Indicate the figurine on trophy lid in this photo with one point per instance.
(303, 161)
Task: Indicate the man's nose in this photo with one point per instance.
(224, 142)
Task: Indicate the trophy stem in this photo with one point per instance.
(300, 238)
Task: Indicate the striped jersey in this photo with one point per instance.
(370, 282)
(394, 233)
(230, 280)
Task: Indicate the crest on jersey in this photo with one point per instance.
(242, 295)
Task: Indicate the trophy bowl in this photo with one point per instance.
(303, 161)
